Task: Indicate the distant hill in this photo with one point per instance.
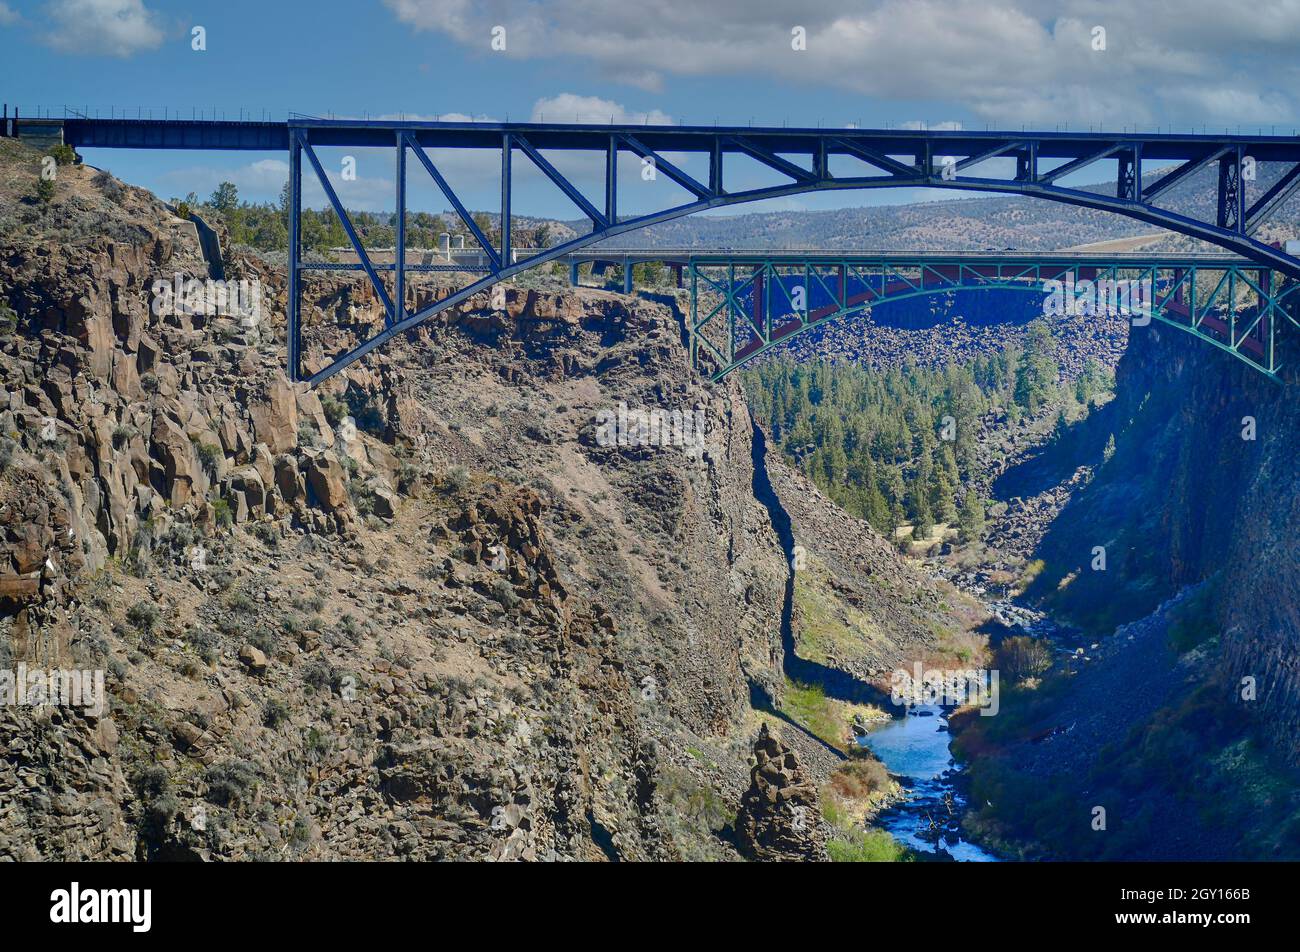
(968, 224)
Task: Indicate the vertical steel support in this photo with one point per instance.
(773, 275)
(611, 181)
(1262, 300)
(399, 264)
(807, 294)
(1272, 320)
(695, 314)
(1128, 187)
(1232, 210)
(1027, 164)
(732, 305)
(293, 315)
(506, 149)
(1126, 178)
(715, 166)
(1232, 307)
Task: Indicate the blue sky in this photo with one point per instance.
(998, 63)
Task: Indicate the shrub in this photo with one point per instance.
(63, 154)
(265, 640)
(504, 593)
(209, 454)
(230, 783)
(111, 187)
(221, 512)
(275, 713)
(267, 533)
(859, 778)
(143, 616)
(335, 409)
(152, 782)
(1022, 657)
(457, 479)
(45, 191)
(318, 675)
(866, 846)
(204, 642)
(350, 628)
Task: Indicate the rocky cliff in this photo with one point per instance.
(1178, 557)
(1202, 486)
(427, 611)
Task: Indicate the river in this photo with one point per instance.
(915, 749)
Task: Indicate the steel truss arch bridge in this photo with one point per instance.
(743, 305)
(1038, 164)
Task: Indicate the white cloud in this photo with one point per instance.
(8, 15)
(1004, 60)
(568, 107)
(102, 27)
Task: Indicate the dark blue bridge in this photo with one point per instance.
(1036, 163)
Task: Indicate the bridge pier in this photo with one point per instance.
(627, 275)
(573, 273)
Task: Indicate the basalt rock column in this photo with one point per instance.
(779, 818)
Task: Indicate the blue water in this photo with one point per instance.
(915, 749)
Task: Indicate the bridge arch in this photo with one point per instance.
(739, 317)
(948, 159)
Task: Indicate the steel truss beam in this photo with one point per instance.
(887, 152)
(1230, 303)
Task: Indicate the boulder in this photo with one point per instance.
(326, 481)
(253, 659)
(275, 417)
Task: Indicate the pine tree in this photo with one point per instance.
(970, 519)
(225, 197)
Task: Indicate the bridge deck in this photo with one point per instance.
(118, 133)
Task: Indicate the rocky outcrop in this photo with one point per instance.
(419, 613)
(779, 818)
